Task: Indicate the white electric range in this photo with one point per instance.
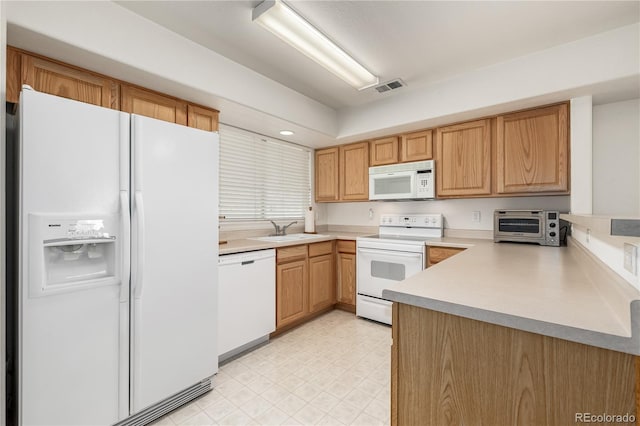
(396, 253)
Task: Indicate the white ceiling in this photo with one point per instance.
(420, 42)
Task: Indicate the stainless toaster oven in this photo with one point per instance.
(528, 226)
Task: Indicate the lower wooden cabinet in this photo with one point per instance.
(322, 289)
(291, 292)
(305, 282)
(346, 275)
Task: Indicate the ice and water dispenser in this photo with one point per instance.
(71, 253)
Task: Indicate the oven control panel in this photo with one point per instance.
(412, 220)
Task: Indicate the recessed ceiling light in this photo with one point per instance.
(292, 28)
(286, 132)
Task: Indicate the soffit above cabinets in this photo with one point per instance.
(420, 42)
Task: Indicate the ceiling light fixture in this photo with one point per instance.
(285, 23)
(286, 132)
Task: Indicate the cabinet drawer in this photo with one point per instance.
(287, 254)
(317, 249)
(346, 246)
(438, 254)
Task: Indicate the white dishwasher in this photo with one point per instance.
(246, 300)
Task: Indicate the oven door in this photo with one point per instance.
(378, 269)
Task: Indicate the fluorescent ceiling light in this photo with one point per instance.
(286, 132)
(282, 21)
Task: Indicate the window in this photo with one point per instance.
(262, 178)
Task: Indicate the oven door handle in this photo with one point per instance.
(391, 253)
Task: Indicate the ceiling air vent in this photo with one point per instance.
(390, 85)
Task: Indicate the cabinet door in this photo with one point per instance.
(322, 288)
(291, 292)
(532, 151)
(347, 278)
(202, 118)
(383, 151)
(13, 75)
(463, 159)
(150, 104)
(326, 171)
(354, 171)
(416, 146)
(68, 82)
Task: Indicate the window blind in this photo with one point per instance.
(262, 178)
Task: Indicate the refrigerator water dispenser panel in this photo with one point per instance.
(70, 253)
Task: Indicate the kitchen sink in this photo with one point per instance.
(287, 238)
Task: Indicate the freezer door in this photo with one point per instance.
(174, 259)
(73, 265)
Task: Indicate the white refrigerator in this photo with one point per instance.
(117, 269)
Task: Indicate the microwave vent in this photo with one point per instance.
(390, 85)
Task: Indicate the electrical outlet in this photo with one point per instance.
(475, 216)
(630, 258)
(370, 213)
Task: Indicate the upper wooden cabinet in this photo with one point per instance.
(416, 146)
(53, 77)
(383, 151)
(69, 82)
(150, 104)
(202, 118)
(532, 149)
(354, 171)
(463, 159)
(326, 174)
(14, 79)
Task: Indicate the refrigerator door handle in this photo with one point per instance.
(126, 250)
(140, 244)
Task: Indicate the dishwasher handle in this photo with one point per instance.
(246, 258)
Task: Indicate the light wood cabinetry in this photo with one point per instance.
(139, 101)
(292, 286)
(346, 275)
(291, 292)
(50, 76)
(449, 370)
(69, 82)
(354, 172)
(383, 151)
(437, 254)
(322, 288)
(463, 159)
(14, 63)
(416, 146)
(532, 151)
(305, 282)
(202, 118)
(326, 174)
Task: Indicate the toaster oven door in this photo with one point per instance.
(520, 227)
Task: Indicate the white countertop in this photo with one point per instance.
(247, 244)
(554, 291)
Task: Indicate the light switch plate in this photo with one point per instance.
(630, 258)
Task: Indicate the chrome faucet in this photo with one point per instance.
(281, 230)
(284, 228)
(275, 225)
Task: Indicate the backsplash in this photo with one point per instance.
(458, 213)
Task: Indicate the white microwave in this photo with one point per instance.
(405, 181)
